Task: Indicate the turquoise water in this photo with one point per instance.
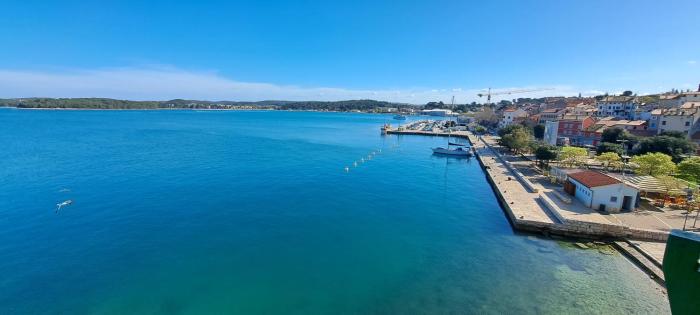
(191, 212)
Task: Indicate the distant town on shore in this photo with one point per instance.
(645, 102)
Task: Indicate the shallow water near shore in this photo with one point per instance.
(223, 212)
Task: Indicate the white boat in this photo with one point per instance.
(455, 149)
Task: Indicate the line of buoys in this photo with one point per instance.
(363, 159)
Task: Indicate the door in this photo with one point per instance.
(627, 203)
(570, 188)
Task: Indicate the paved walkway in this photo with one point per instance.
(523, 203)
(574, 210)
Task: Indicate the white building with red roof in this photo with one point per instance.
(602, 192)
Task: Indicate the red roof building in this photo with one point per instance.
(602, 192)
(593, 179)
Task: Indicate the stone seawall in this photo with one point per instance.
(557, 224)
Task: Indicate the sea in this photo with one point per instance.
(272, 212)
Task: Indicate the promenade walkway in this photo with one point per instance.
(522, 203)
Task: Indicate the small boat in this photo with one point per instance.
(455, 149)
(399, 117)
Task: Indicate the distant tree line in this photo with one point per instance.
(361, 105)
(108, 103)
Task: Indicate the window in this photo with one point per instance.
(663, 122)
(613, 199)
(687, 123)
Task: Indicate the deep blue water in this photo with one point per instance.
(196, 212)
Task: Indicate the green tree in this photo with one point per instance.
(673, 133)
(538, 131)
(654, 164)
(608, 158)
(510, 129)
(627, 93)
(516, 140)
(571, 156)
(610, 147)
(672, 146)
(611, 135)
(689, 169)
(545, 153)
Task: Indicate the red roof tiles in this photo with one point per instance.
(592, 179)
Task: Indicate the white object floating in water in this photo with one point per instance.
(347, 169)
(362, 160)
(354, 164)
(63, 204)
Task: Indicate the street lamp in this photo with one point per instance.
(624, 156)
(688, 200)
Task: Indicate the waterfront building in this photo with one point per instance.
(602, 192)
(674, 119)
(510, 115)
(583, 109)
(551, 114)
(642, 113)
(622, 107)
(592, 134)
(572, 127)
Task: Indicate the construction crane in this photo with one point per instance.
(509, 92)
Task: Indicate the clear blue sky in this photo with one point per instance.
(327, 49)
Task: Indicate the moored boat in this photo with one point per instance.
(455, 149)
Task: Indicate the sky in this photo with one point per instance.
(401, 51)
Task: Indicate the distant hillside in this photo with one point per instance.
(108, 103)
(86, 103)
(362, 105)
